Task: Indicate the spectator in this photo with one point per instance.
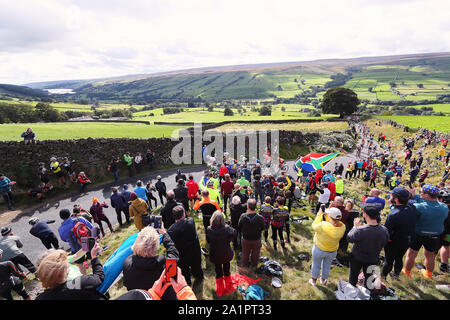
(149, 189)
(56, 169)
(29, 136)
(5, 190)
(222, 172)
(150, 156)
(374, 198)
(444, 197)
(251, 225)
(368, 241)
(43, 174)
(78, 211)
(219, 236)
(192, 190)
(10, 245)
(236, 210)
(129, 163)
(83, 181)
(324, 197)
(401, 224)
(114, 168)
(184, 235)
(98, 215)
(258, 189)
(328, 231)
(348, 215)
(280, 215)
(141, 191)
(40, 230)
(53, 272)
(137, 209)
(39, 191)
(166, 211)
(207, 207)
(226, 189)
(431, 215)
(138, 162)
(11, 279)
(266, 211)
(180, 176)
(181, 194)
(161, 188)
(120, 204)
(68, 166)
(144, 266)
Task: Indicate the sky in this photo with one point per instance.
(49, 40)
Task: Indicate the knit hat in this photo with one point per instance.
(133, 196)
(64, 214)
(5, 230)
(334, 213)
(431, 189)
(94, 200)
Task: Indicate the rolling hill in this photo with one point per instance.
(393, 78)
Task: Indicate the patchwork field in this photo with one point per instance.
(438, 123)
(306, 127)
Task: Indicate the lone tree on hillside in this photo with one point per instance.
(228, 112)
(265, 111)
(339, 100)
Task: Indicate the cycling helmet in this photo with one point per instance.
(33, 221)
(158, 178)
(41, 163)
(52, 159)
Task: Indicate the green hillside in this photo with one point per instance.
(9, 91)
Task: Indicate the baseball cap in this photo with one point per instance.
(430, 189)
(334, 213)
(371, 209)
(400, 192)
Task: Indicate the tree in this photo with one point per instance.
(339, 100)
(210, 108)
(283, 108)
(228, 112)
(265, 111)
(420, 85)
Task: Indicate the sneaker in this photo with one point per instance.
(407, 272)
(311, 282)
(426, 274)
(323, 281)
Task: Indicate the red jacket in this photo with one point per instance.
(223, 170)
(192, 189)
(332, 188)
(227, 187)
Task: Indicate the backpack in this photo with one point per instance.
(80, 230)
(253, 292)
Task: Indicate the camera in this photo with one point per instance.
(155, 221)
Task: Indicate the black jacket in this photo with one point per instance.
(220, 251)
(181, 194)
(118, 201)
(166, 213)
(401, 224)
(251, 225)
(180, 176)
(184, 235)
(9, 275)
(160, 186)
(141, 273)
(236, 212)
(81, 288)
(41, 229)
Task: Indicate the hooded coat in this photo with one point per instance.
(137, 209)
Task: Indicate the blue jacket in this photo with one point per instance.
(4, 185)
(118, 201)
(65, 232)
(41, 229)
(431, 216)
(401, 223)
(141, 193)
(126, 194)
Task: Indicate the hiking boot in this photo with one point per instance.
(407, 272)
(444, 267)
(427, 274)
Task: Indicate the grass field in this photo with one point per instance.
(52, 131)
(306, 127)
(438, 123)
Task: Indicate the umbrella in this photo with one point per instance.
(314, 161)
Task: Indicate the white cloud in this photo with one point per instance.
(78, 39)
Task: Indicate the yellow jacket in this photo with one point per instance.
(327, 236)
(138, 208)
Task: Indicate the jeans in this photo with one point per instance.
(116, 176)
(321, 260)
(130, 170)
(259, 194)
(8, 199)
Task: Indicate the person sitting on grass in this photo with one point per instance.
(328, 231)
(39, 191)
(83, 181)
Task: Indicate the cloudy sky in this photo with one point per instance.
(80, 39)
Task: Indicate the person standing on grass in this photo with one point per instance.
(328, 231)
(207, 208)
(266, 211)
(5, 190)
(184, 235)
(166, 211)
(401, 224)
(251, 226)
(120, 204)
(226, 189)
(373, 177)
(339, 185)
(324, 197)
(129, 162)
(137, 209)
(114, 168)
(40, 230)
(280, 215)
(98, 215)
(126, 193)
(219, 235)
(431, 215)
(368, 241)
(11, 244)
